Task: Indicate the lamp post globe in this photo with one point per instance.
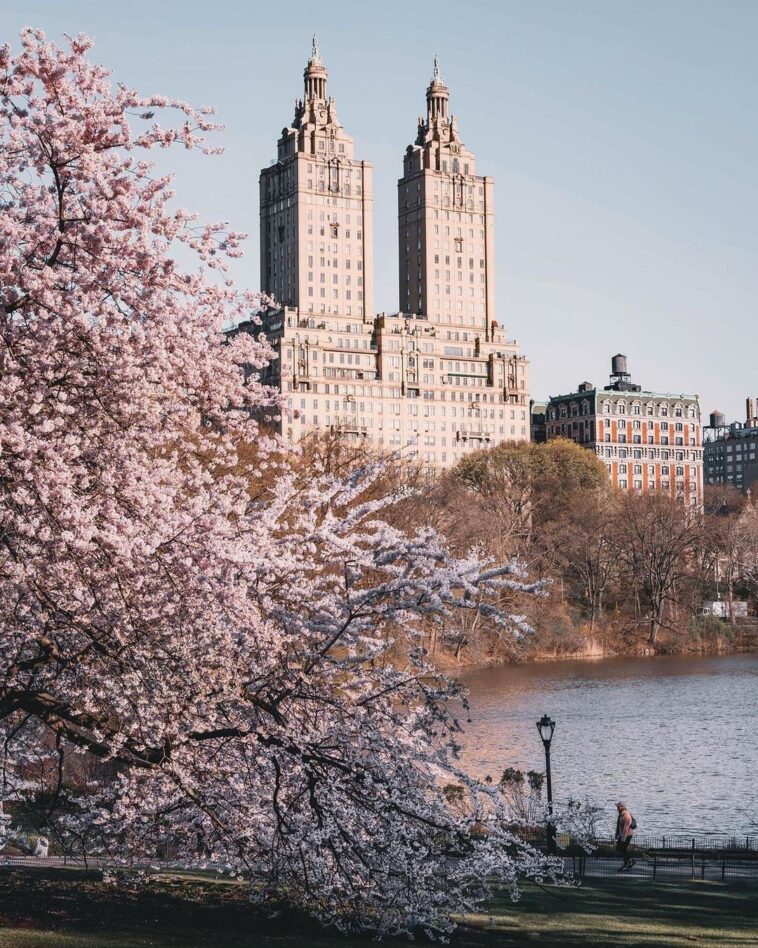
(546, 727)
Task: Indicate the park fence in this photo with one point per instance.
(713, 858)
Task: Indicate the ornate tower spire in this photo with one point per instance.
(437, 96)
(315, 75)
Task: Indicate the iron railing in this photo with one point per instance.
(674, 856)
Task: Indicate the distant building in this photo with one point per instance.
(537, 420)
(648, 441)
(730, 452)
(436, 380)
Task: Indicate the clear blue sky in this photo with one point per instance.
(622, 137)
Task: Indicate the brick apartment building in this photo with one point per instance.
(648, 441)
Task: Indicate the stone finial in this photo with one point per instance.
(315, 55)
(436, 76)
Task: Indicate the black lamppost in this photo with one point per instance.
(546, 727)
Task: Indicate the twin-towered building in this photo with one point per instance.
(438, 378)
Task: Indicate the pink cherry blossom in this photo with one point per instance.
(222, 651)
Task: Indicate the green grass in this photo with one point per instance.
(67, 909)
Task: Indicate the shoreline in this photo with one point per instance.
(593, 652)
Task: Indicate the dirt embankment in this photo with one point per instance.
(603, 645)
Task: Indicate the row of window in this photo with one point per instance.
(663, 453)
(621, 407)
(732, 449)
(366, 421)
(337, 309)
(336, 294)
(412, 409)
(623, 484)
(391, 392)
(651, 468)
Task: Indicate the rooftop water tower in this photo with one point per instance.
(717, 419)
(619, 366)
(621, 380)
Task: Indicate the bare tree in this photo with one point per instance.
(582, 549)
(656, 538)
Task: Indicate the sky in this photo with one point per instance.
(622, 138)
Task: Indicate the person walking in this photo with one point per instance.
(625, 827)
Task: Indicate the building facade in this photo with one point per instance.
(437, 379)
(316, 211)
(446, 216)
(538, 418)
(648, 441)
(730, 452)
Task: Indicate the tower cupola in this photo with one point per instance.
(315, 76)
(437, 97)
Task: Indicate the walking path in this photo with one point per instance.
(660, 868)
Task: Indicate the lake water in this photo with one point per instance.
(675, 737)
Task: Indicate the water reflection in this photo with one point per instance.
(676, 737)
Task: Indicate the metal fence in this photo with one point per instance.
(668, 857)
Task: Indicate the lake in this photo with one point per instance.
(675, 737)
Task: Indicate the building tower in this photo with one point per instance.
(316, 210)
(432, 382)
(446, 224)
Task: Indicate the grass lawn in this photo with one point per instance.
(71, 909)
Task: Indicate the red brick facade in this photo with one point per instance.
(647, 441)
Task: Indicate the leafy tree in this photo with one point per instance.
(524, 482)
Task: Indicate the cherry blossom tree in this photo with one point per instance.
(220, 644)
